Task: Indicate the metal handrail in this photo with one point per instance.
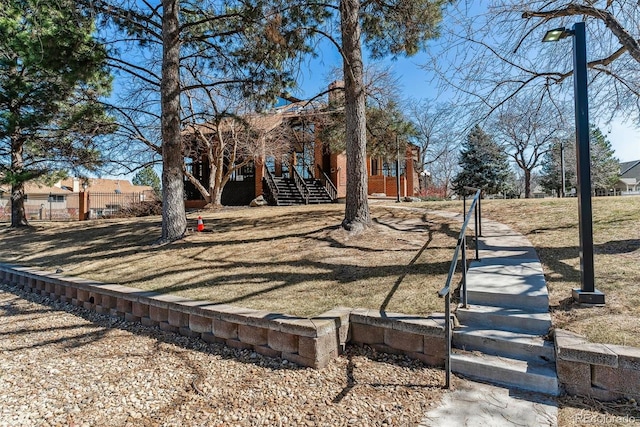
(461, 249)
(301, 185)
(271, 183)
(332, 190)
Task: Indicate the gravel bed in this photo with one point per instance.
(62, 365)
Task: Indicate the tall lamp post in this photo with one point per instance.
(397, 170)
(587, 293)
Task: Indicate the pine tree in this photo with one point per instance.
(605, 168)
(52, 74)
(483, 164)
(148, 176)
(551, 173)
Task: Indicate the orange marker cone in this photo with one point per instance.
(200, 224)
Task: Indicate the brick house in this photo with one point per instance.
(309, 173)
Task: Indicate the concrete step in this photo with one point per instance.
(524, 375)
(507, 283)
(510, 318)
(516, 345)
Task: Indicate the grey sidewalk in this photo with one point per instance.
(509, 274)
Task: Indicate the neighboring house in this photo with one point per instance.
(64, 200)
(310, 173)
(41, 202)
(629, 182)
(106, 197)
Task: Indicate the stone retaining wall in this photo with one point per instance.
(308, 342)
(602, 371)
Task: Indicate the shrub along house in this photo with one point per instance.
(305, 171)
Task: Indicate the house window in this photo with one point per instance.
(374, 167)
(56, 198)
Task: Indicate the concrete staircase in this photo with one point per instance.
(289, 195)
(501, 337)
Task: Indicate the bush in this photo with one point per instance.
(138, 209)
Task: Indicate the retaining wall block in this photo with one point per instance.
(253, 335)
(146, 321)
(282, 341)
(622, 381)
(405, 341)
(628, 357)
(123, 305)
(200, 324)
(49, 287)
(39, 285)
(59, 289)
(108, 301)
(317, 362)
(178, 318)
(71, 292)
(158, 314)
(315, 348)
(267, 351)
(140, 309)
(130, 317)
(82, 295)
(165, 326)
(435, 347)
(226, 330)
(367, 334)
(575, 377)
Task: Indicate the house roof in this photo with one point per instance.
(96, 185)
(260, 121)
(35, 188)
(630, 170)
(102, 185)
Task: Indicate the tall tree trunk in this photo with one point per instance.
(527, 184)
(356, 214)
(18, 214)
(174, 220)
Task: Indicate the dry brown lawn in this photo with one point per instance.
(295, 260)
(299, 261)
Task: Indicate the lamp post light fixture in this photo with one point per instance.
(587, 293)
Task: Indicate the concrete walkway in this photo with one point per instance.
(508, 277)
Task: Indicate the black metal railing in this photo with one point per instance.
(460, 251)
(301, 185)
(331, 189)
(271, 185)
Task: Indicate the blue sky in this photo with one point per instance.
(416, 83)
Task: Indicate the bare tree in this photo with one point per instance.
(438, 127)
(526, 128)
(492, 57)
(229, 139)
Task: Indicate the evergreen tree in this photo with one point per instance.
(52, 73)
(605, 168)
(148, 176)
(551, 173)
(483, 164)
